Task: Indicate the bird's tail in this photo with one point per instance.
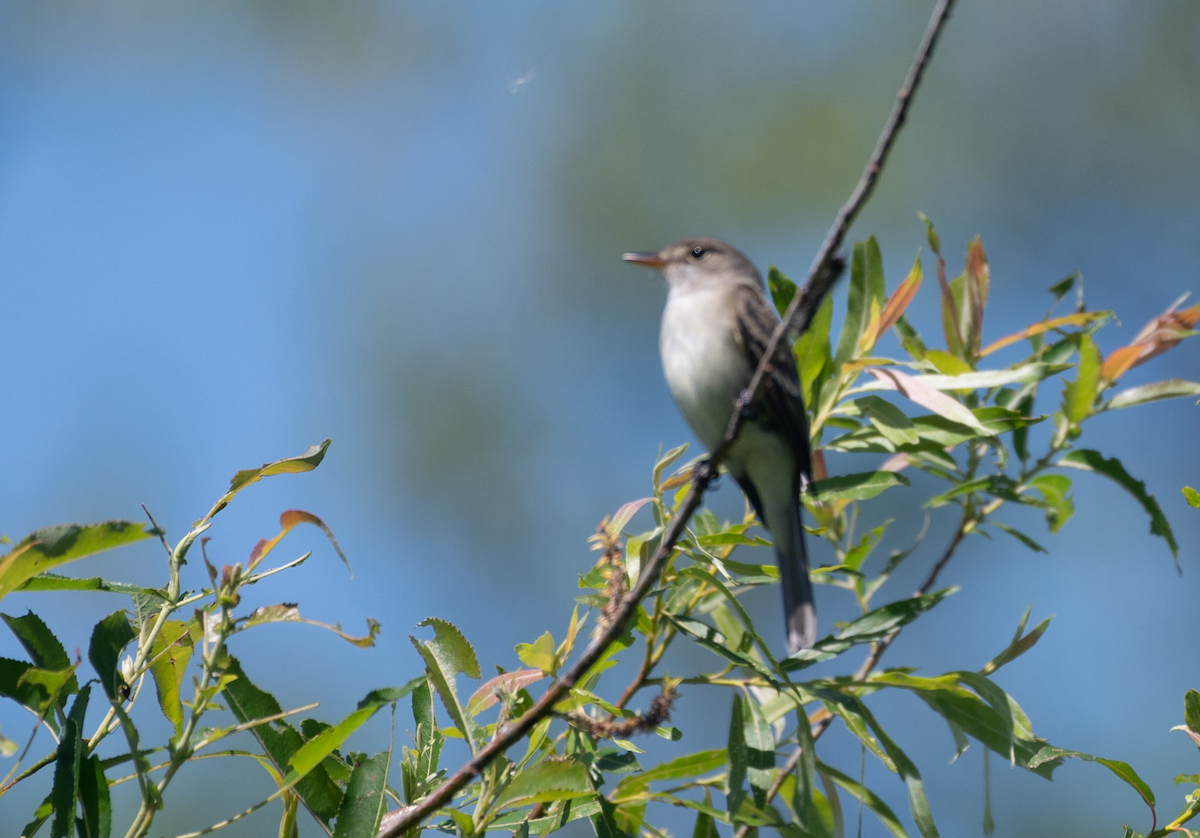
(799, 614)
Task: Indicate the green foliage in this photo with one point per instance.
(948, 412)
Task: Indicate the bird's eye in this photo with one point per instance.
(697, 252)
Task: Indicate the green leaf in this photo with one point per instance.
(1111, 468)
(1121, 769)
(760, 750)
(738, 755)
(451, 647)
(705, 826)
(1057, 503)
(1169, 389)
(711, 639)
(1019, 536)
(1191, 710)
(1192, 497)
(539, 654)
(888, 419)
(680, 768)
(109, 637)
(64, 793)
(307, 461)
(868, 798)
(365, 800)
(169, 657)
(55, 582)
(95, 800)
(1061, 288)
(445, 656)
(861, 486)
(50, 547)
(1021, 643)
(782, 289)
(280, 741)
(983, 379)
(811, 350)
(866, 285)
(866, 629)
(547, 781)
(1082, 392)
(45, 650)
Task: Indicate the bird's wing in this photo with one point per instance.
(779, 399)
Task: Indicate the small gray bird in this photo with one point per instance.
(715, 328)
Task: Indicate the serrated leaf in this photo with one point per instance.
(51, 547)
(64, 793)
(451, 647)
(280, 741)
(1082, 391)
(547, 781)
(1111, 468)
(365, 799)
(55, 582)
(169, 658)
(45, 650)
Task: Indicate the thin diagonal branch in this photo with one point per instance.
(821, 277)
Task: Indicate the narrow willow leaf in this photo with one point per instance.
(760, 750)
(1021, 643)
(738, 756)
(915, 390)
(866, 285)
(814, 361)
(1084, 388)
(867, 797)
(1019, 536)
(862, 486)
(314, 751)
(1121, 769)
(866, 629)
(888, 419)
(713, 640)
(1172, 388)
(680, 768)
(289, 520)
(1082, 318)
(1111, 468)
(51, 547)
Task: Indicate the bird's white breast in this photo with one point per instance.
(704, 365)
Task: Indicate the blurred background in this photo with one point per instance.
(229, 231)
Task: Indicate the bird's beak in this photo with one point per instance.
(650, 260)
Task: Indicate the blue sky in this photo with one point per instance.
(227, 233)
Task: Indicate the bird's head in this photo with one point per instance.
(699, 263)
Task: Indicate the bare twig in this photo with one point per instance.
(821, 277)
